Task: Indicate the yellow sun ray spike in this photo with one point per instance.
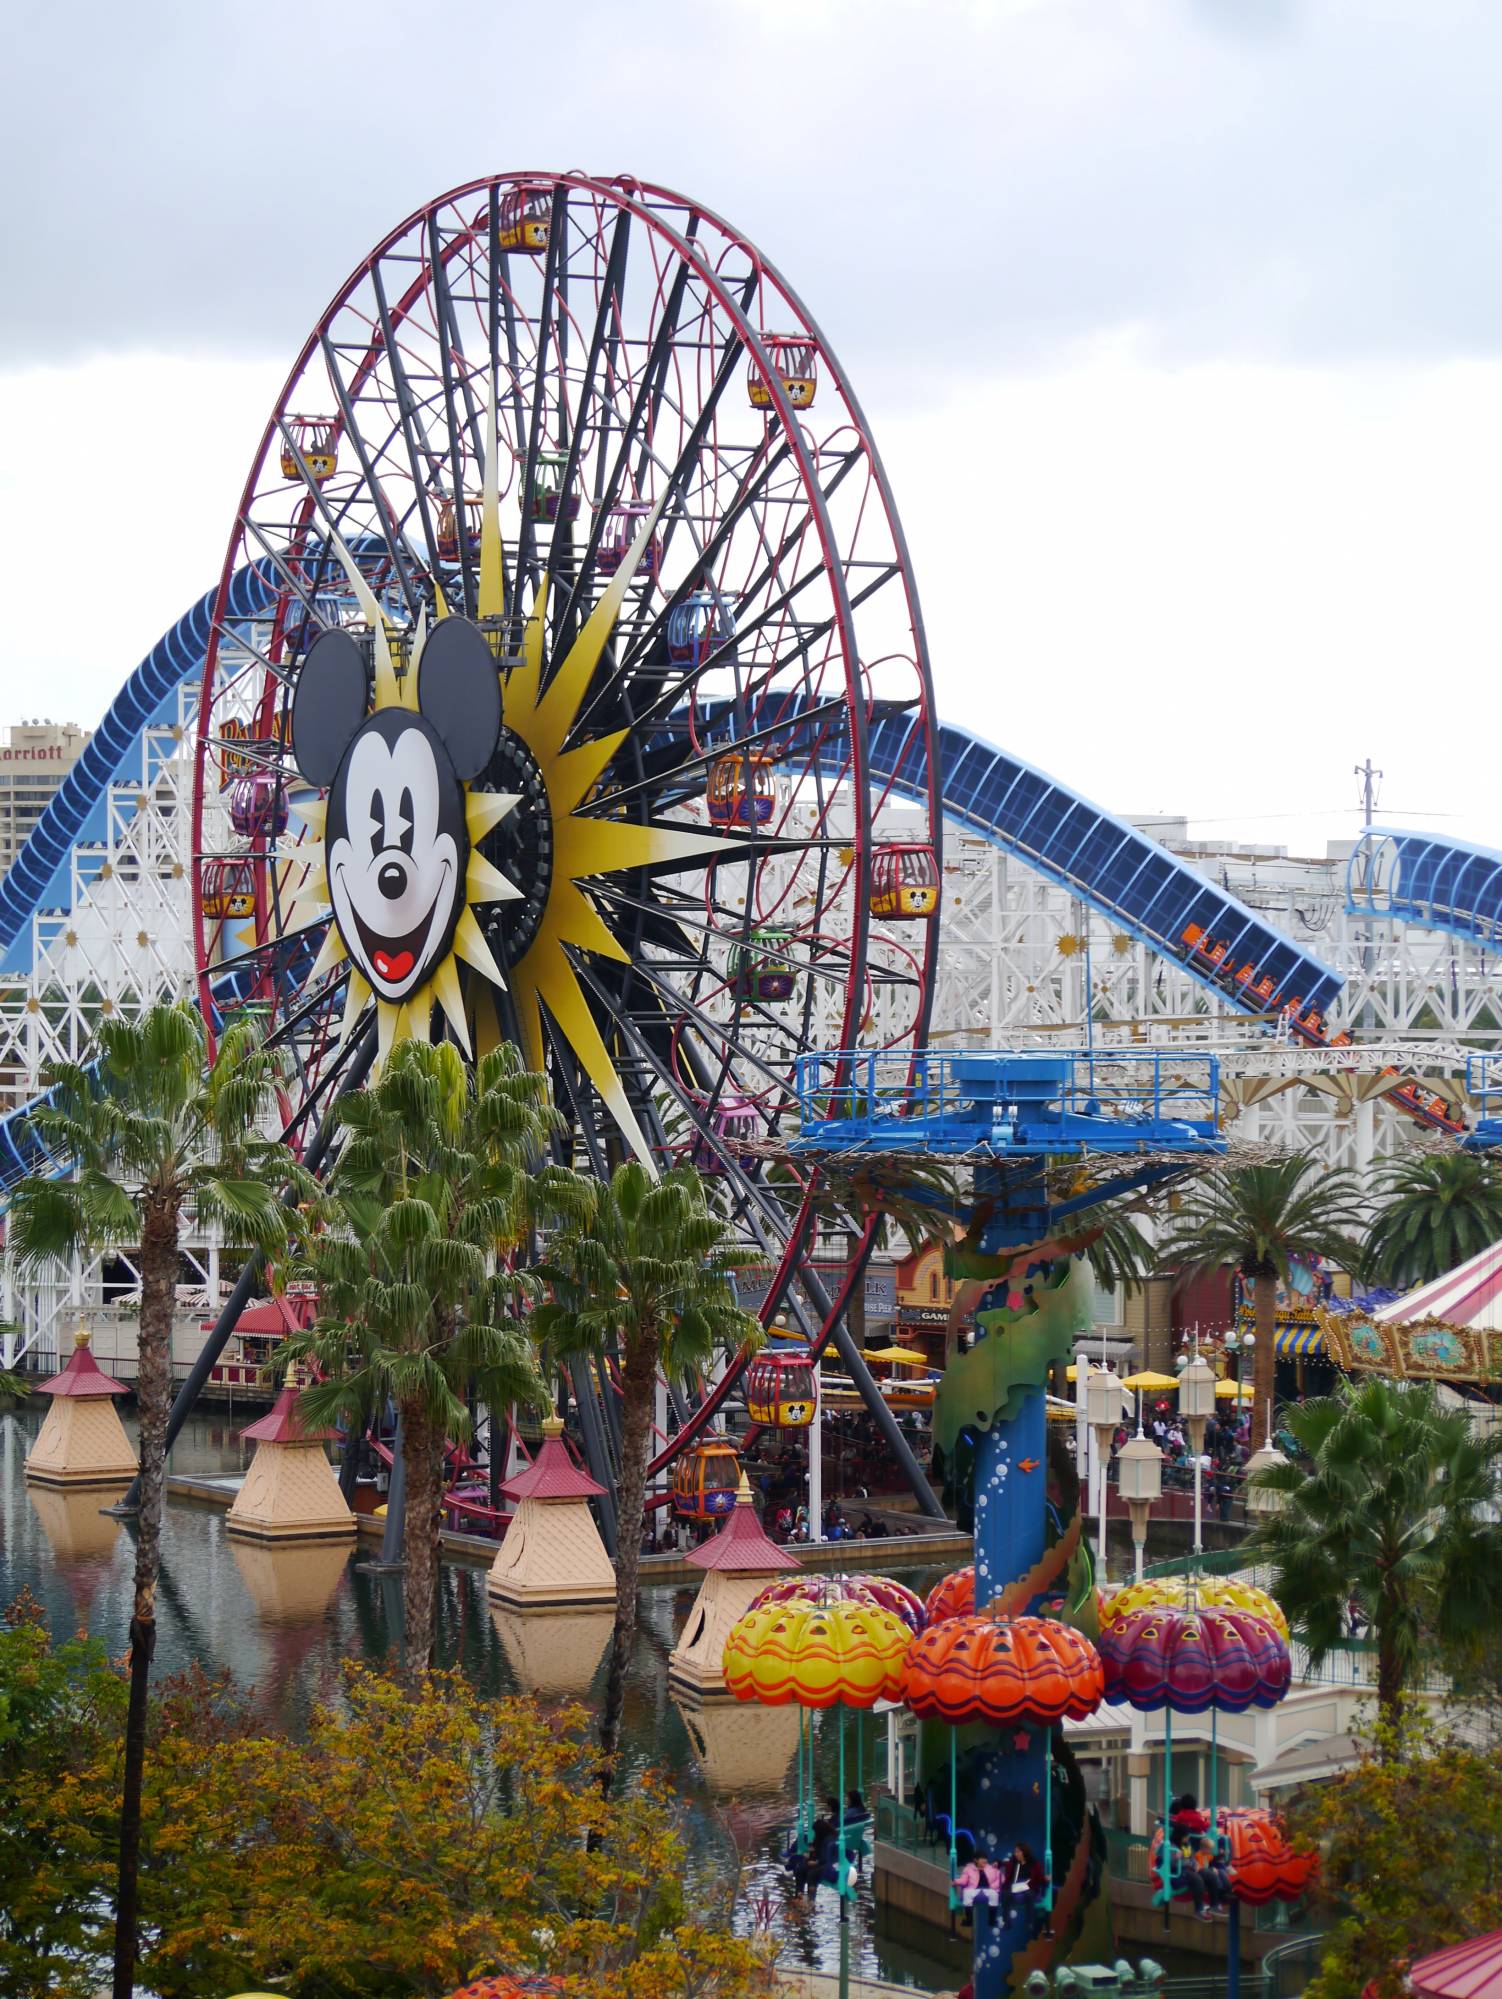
(492, 600)
(559, 706)
(483, 883)
(470, 945)
(447, 991)
(558, 985)
(312, 812)
(484, 809)
(519, 695)
(331, 953)
(387, 692)
(356, 999)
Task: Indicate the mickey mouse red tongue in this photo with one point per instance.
(392, 966)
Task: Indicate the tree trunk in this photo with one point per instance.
(1265, 1353)
(638, 1388)
(422, 1454)
(153, 1405)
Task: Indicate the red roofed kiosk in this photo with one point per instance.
(290, 1491)
(83, 1442)
(552, 1557)
(1463, 1971)
(740, 1561)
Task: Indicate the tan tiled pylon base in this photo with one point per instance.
(552, 1559)
(81, 1444)
(291, 1494)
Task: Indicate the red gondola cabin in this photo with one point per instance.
(525, 221)
(782, 1391)
(622, 526)
(258, 806)
(904, 881)
(705, 1480)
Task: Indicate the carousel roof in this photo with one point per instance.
(1465, 1971)
(742, 1545)
(552, 1474)
(1469, 1295)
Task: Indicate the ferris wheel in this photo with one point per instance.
(584, 589)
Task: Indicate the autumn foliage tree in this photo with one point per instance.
(405, 1844)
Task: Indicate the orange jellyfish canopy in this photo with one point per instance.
(1185, 1593)
(952, 1596)
(512, 1985)
(1263, 1866)
(1003, 1670)
(816, 1654)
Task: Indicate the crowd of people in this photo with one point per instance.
(1227, 1446)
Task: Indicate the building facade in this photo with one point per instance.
(35, 757)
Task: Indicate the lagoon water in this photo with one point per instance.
(281, 1620)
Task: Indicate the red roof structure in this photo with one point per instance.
(1464, 1971)
(277, 1316)
(741, 1547)
(83, 1375)
(552, 1474)
(283, 1425)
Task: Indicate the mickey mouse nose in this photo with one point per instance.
(392, 880)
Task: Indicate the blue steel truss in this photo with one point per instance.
(1007, 1103)
(1424, 878)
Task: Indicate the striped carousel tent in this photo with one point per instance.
(1449, 1329)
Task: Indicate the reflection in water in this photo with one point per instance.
(283, 1619)
(554, 1653)
(740, 1746)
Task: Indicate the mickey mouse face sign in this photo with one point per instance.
(396, 837)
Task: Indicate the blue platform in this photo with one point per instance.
(1008, 1103)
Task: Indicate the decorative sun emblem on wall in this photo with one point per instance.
(441, 772)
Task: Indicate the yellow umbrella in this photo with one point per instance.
(1234, 1391)
(1154, 1383)
(897, 1356)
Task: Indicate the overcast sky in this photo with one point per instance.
(1177, 322)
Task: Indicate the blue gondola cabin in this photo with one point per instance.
(904, 882)
(698, 628)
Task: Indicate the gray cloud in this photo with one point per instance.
(950, 186)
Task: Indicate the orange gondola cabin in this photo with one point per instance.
(795, 359)
(705, 1480)
(447, 528)
(317, 439)
(782, 1391)
(741, 790)
(525, 221)
(904, 881)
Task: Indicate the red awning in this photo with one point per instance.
(1464, 1971)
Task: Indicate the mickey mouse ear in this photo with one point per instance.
(328, 705)
(459, 693)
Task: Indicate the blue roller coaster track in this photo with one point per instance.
(1426, 879)
(1135, 883)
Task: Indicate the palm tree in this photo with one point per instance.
(156, 1132)
(1437, 1210)
(1387, 1503)
(643, 1270)
(415, 1257)
(1260, 1218)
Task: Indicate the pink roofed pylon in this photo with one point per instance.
(83, 1376)
(552, 1474)
(1470, 1295)
(283, 1425)
(1464, 1971)
(742, 1546)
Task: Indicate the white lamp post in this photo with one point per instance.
(1196, 1407)
(1103, 1393)
(1139, 1467)
(1264, 1460)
